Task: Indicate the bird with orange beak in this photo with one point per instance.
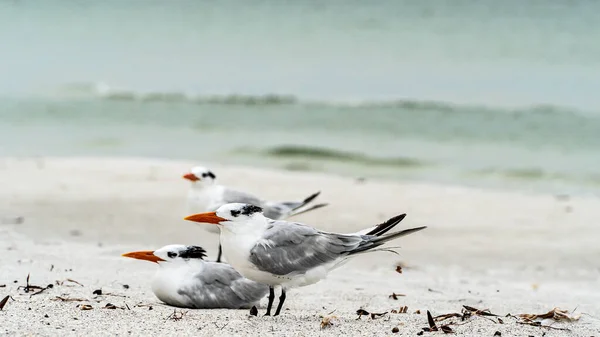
(205, 195)
(184, 279)
(288, 254)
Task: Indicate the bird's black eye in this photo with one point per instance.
(171, 254)
(204, 175)
(235, 213)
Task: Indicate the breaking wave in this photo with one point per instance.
(105, 92)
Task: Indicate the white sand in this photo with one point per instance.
(506, 251)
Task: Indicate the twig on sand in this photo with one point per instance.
(539, 324)
(395, 296)
(221, 327)
(446, 316)
(50, 286)
(68, 299)
(73, 281)
(175, 317)
(28, 287)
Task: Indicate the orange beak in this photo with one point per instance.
(147, 255)
(191, 177)
(209, 217)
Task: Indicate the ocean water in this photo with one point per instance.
(483, 93)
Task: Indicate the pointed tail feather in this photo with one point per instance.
(383, 227)
(308, 209)
(309, 199)
(384, 239)
(377, 241)
(296, 206)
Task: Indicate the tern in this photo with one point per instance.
(184, 279)
(288, 254)
(205, 195)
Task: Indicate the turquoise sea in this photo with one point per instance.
(484, 93)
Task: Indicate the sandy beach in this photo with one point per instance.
(508, 252)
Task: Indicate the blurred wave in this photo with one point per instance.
(295, 151)
(103, 91)
(539, 174)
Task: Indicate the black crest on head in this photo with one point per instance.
(193, 252)
(246, 210)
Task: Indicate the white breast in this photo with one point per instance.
(165, 284)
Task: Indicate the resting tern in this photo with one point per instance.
(205, 195)
(184, 279)
(288, 254)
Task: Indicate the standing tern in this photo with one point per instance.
(185, 280)
(288, 254)
(205, 195)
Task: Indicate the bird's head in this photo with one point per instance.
(170, 254)
(231, 216)
(200, 176)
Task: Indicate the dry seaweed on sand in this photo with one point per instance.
(401, 310)
(446, 316)
(374, 315)
(433, 327)
(361, 313)
(328, 321)
(479, 312)
(468, 311)
(112, 306)
(554, 314)
(85, 307)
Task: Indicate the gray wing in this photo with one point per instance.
(220, 286)
(231, 196)
(288, 247)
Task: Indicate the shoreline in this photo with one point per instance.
(506, 251)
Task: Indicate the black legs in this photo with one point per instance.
(281, 300)
(271, 299)
(220, 253)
